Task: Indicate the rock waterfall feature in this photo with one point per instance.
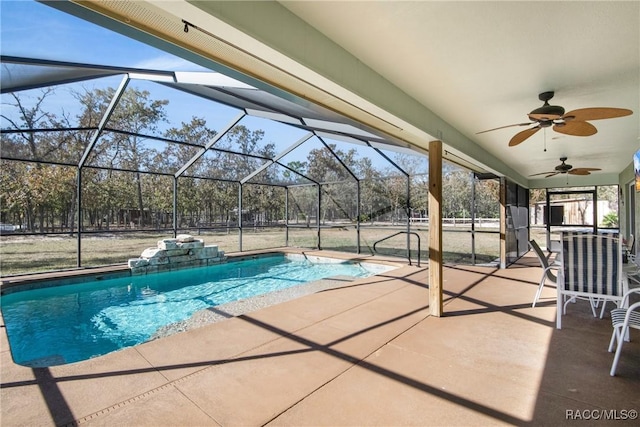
(173, 254)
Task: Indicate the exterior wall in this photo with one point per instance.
(572, 212)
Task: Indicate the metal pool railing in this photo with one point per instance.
(408, 248)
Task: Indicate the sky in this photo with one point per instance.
(34, 30)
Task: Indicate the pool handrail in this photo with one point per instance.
(409, 251)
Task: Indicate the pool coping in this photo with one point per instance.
(9, 284)
(28, 281)
(240, 307)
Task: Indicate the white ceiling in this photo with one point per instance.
(481, 65)
(476, 65)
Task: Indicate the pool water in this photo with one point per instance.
(64, 324)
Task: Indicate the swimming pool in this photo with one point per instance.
(62, 324)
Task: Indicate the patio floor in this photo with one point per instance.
(366, 353)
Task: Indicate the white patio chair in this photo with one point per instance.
(547, 273)
(632, 268)
(592, 270)
(622, 319)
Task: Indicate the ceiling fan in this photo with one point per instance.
(565, 168)
(572, 123)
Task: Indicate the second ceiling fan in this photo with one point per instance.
(574, 122)
(565, 168)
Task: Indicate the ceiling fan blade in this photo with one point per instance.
(579, 171)
(504, 127)
(576, 128)
(521, 136)
(543, 173)
(598, 113)
(552, 174)
(583, 171)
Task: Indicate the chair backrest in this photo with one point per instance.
(543, 260)
(592, 263)
(629, 251)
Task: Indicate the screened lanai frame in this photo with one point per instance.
(322, 125)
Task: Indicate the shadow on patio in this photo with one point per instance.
(362, 354)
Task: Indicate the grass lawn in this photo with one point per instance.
(30, 254)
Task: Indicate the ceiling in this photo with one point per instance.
(425, 70)
(481, 65)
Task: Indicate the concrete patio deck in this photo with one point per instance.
(366, 353)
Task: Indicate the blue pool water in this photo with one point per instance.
(69, 323)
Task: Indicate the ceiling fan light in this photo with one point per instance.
(563, 167)
(547, 112)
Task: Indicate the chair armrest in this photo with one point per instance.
(628, 312)
(625, 297)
